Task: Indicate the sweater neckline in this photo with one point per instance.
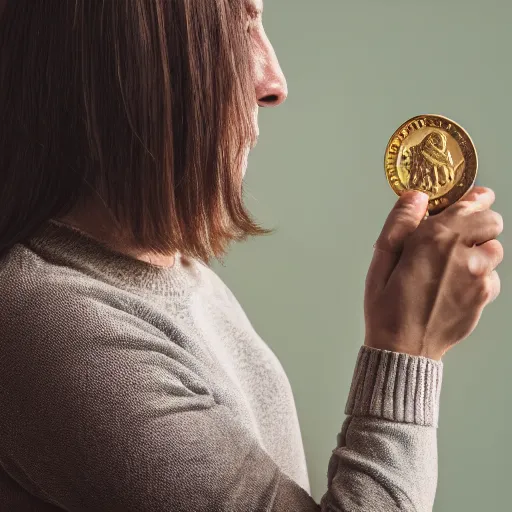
(67, 245)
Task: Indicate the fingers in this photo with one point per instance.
(481, 227)
(403, 219)
(478, 198)
(482, 264)
(485, 258)
(494, 286)
(490, 288)
(477, 193)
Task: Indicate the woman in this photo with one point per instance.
(131, 378)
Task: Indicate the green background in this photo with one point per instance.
(357, 70)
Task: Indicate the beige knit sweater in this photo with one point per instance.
(130, 387)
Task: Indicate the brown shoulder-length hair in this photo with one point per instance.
(145, 104)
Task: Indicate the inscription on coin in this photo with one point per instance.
(432, 154)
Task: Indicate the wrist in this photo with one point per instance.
(396, 387)
(409, 349)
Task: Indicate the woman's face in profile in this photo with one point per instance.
(269, 83)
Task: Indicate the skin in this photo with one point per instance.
(270, 91)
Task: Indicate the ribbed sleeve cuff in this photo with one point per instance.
(396, 387)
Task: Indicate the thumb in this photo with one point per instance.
(404, 218)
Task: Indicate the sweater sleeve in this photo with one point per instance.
(92, 421)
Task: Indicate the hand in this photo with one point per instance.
(430, 279)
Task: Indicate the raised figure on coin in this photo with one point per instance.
(430, 163)
(434, 155)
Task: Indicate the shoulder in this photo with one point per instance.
(30, 285)
(49, 310)
(64, 330)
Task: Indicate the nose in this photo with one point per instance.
(273, 94)
(271, 86)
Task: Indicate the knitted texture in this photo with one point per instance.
(131, 387)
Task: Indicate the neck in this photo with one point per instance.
(97, 222)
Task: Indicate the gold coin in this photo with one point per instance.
(432, 154)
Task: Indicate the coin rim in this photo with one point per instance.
(432, 208)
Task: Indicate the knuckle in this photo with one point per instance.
(462, 205)
(477, 192)
(488, 288)
(472, 202)
(473, 265)
(498, 251)
(385, 242)
(497, 222)
(405, 217)
(485, 289)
